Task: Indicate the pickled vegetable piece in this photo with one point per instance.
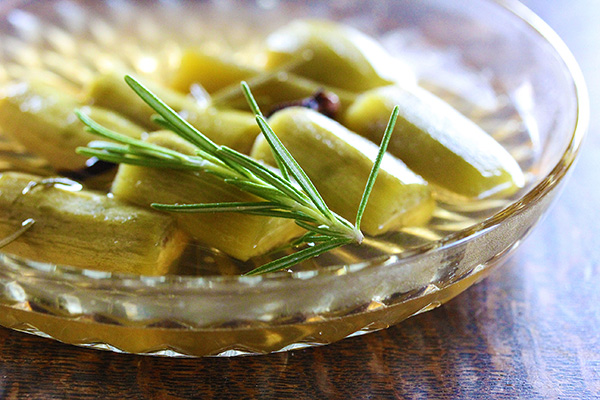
(437, 142)
(240, 236)
(42, 118)
(211, 71)
(110, 90)
(232, 128)
(221, 77)
(274, 89)
(339, 162)
(85, 229)
(335, 55)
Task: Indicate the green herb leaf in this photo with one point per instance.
(376, 165)
(321, 229)
(256, 110)
(260, 190)
(294, 168)
(266, 174)
(217, 207)
(178, 124)
(282, 198)
(295, 258)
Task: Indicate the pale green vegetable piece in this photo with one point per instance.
(221, 77)
(110, 90)
(240, 236)
(334, 54)
(42, 118)
(232, 128)
(211, 71)
(85, 229)
(437, 142)
(271, 90)
(339, 161)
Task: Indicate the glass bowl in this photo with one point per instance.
(493, 60)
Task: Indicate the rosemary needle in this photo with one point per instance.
(288, 194)
(375, 170)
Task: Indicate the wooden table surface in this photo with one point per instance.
(530, 330)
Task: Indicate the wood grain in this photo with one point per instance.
(531, 330)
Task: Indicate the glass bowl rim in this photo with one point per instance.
(545, 186)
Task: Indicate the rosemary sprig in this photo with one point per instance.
(288, 194)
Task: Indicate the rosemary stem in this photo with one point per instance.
(289, 194)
